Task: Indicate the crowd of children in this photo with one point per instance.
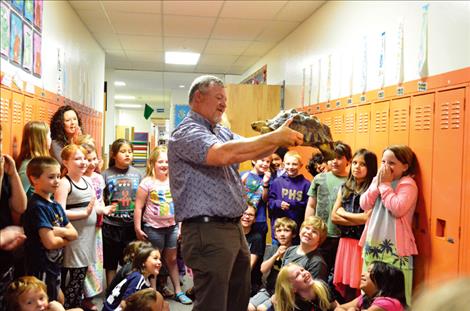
(347, 230)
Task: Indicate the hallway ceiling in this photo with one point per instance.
(230, 35)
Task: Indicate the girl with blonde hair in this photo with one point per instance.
(296, 289)
(36, 142)
(154, 216)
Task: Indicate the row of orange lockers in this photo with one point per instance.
(18, 107)
(436, 125)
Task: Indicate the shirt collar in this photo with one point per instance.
(200, 119)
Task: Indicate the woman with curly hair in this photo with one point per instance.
(65, 125)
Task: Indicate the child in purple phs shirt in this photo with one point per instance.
(288, 193)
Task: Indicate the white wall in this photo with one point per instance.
(83, 59)
(132, 117)
(338, 27)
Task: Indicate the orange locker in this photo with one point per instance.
(349, 128)
(421, 140)
(5, 119)
(446, 196)
(379, 124)
(464, 262)
(327, 119)
(362, 139)
(399, 121)
(29, 109)
(17, 100)
(41, 110)
(337, 130)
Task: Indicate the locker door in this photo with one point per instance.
(379, 124)
(42, 106)
(17, 118)
(327, 119)
(350, 127)
(338, 124)
(5, 119)
(363, 127)
(51, 109)
(421, 139)
(28, 108)
(399, 121)
(464, 259)
(446, 180)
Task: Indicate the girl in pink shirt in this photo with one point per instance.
(154, 215)
(392, 197)
(383, 287)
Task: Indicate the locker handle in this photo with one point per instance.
(451, 240)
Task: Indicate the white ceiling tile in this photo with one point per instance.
(179, 68)
(184, 44)
(133, 6)
(95, 21)
(136, 56)
(108, 41)
(141, 43)
(187, 26)
(219, 60)
(246, 61)
(85, 5)
(136, 23)
(212, 69)
(237, 70)
(226, 47)
(192, 8)
(237, 29)
(258, 48)
(298, 11)
(154, 66)
(275, 31)
(116, 53)
(251, 9)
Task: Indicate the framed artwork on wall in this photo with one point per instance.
(37, 66)
(18, 6)
(38, 14)
(29, 10)
(27, 48)
(16, 39)
(4, 29)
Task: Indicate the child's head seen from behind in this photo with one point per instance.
(285, 230)
(44, 174)
(121, 154)
(145, 300)
(36, 141)
(292, 163)
(27, 293)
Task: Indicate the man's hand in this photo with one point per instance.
(11, 237)
(287, 137)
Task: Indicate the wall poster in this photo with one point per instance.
(4, 29)
(16, 39)
(37, 70)
(29, 10)
(27, 48)
(38, 14)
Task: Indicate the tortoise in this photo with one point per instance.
(316, 134)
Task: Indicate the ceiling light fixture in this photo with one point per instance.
(181, 58)
(119, 83)
(125, 97)
(128, 106)
(181, 86)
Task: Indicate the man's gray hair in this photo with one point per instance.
(202, 83)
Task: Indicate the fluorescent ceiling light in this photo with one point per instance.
(181, 58)
(128, 97)
(119, 83)
(181, 86)
(128, 106)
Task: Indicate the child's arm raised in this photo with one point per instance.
(267, 265)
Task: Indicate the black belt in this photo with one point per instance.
(207, 219)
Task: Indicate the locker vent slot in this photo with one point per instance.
(4, 110)
(328, 121)
(338, 124)
(42, 112)
(400, 120)
(450, 115)
(28, 113)
(381, 121)
(423, 117)
(17, 110)
(349, 123)
(363, 122)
